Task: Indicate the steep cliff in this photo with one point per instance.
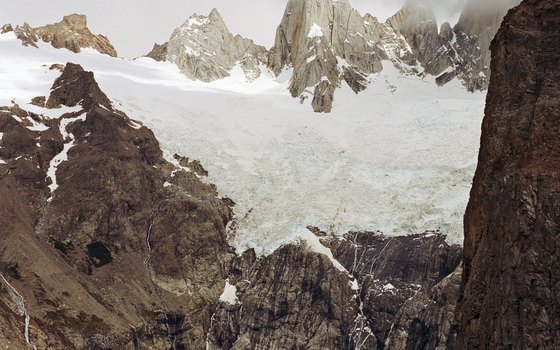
(510, 297)
(324, 42)
(357, 299)
(444, 52)
(71, 33)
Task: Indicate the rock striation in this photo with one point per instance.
(71, 33)
(509, 292)
(204, 49)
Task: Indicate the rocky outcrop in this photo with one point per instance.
(510, 297)
(324, 42)
(103, 242)
(298, 298)
(71, 33)
(204, 49)
(427, 319)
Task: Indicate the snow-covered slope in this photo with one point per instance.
(398, 157)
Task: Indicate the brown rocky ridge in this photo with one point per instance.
(106, 258)
(71, 33)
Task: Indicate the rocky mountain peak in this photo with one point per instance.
(216, 17)
(76, 86)
(412, 14)
(327, 42)
(75, 20)
(324, 42)
(99, 206)
(71, 33)
(204, 49)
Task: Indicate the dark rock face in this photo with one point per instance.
(392, 274)
(426, 320)
(293, 298)
(75, 86)
(510, 297)
(128, 250)
(159, 52)
(298, 299)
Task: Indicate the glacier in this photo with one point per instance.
(397, 158)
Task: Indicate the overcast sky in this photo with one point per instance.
(134, 25)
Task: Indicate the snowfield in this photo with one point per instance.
(398, 158)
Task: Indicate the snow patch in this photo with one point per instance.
(191, 52)
(21, 309)
(311, 58)
(229, 295)
(388, 286)
(196, 21)
(315, 31)
(51, 113)
(313, 243)
(36, 126)
(63, 155)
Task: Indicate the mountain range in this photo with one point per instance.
(327, 42)
(113, 237)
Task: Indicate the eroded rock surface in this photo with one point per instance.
(324, 43)
(444, 52)
(510, 296)
(482, 19)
